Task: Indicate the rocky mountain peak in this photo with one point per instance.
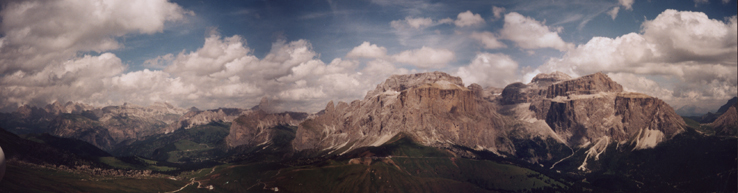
(263, 105)
(546, 79)
(433, 107)
(589, 84)
(57, 107)
(398, 83)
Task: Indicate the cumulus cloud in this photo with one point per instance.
(425, 57)
(41, 32)
(696, 53)
(527, 33)
(488, 69)
(367, 50)
(468, 19)
(42, 40)
(487, 39)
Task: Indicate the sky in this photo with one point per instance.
(302, 54)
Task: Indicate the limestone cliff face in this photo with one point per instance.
(588, 108)
(434, 108)
(253, 127)
(590, 84)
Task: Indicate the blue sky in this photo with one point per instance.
(305, 53)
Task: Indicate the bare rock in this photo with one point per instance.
(544, 80)
(727, 123)
(589, 84)
(252, 128)
(434, 108)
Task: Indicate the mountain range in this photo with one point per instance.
(556, 133)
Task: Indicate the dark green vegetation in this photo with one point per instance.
(31, 179)
(689, 162)
(74, 146)
(196, 144)
(401, 165)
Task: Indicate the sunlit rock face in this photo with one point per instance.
(253, 127)
(585, 109)
(437, 110)
(434, 108)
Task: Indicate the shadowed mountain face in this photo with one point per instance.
(727, 123)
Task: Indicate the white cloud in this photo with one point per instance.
(636, 83)
(468, 19)
(417, 23)
(527, 33)
(628, 4)
(614, 12)
(42, 39)
(41, 32)
(367, 50)
(497, 12)
(487, 39)
(159, 62)
(425, 57)
(695, 57)
(487, 69)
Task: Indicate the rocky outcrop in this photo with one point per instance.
(253, 127)
(196, 117)
(590, 84)
(585, 109)
(727, 123)
(434, 108)
(544, 80)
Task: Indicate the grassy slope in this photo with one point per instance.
(411, 168)
(27, 179)
(186, 145)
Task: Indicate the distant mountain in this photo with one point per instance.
(691, 111)
(709, 117)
